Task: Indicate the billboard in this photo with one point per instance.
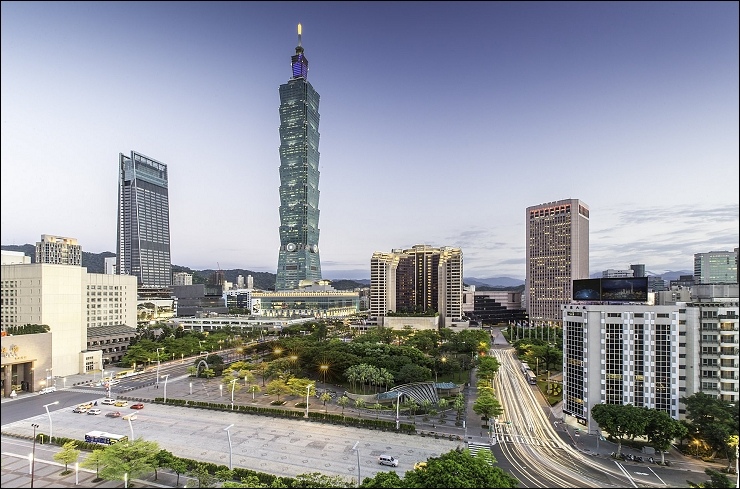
(611, 289)
(624, 289)
(587, 289)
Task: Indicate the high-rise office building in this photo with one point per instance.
(421, 279)
(143, 245)
(622, 354)
(298, 258)
(557, 254)
(58, 251)
(715, 267)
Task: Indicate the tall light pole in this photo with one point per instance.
(131, 426)
(33, 452)
(165, 376)
(357, 449)
(233, 384)
(160, 348)
(46, 406)
(308, 390)
(398, 403)
(228, 433)
(324, 369)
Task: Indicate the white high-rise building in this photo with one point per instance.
(621, 354)
(716, 267)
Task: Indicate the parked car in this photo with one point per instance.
(108, 401)
(420, 465)
(121, 403)
(80, 409)
(131, 416)
(87, 405)
(388, 460)
(138, 405)
(47, 390)
(94, 411)
(113, 414)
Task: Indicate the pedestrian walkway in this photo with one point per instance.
(16, 472)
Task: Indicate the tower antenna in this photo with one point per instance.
(299, 34)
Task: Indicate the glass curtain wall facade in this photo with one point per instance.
(298, 258)
(143, 244)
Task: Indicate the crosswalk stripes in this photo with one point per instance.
(474, 448)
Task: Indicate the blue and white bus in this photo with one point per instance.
(104, 438)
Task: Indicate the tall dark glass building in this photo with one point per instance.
(298, 258)
(143, 245)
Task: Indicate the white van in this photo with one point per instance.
(388, 460)
(47, 390)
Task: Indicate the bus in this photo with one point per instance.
(525, 367)
(124, 373)
(104, 438)
(531, 377)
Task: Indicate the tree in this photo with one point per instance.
(458, 468)
(94, 461)
(717, 479)
(620, 421)
(179, 466)
(325, 397)
(68, 454)
(714, 420)
(661, 430)
(201, 474)
(486, 405)
(344, 402)
(278, 387)
(386, 480)
(317, 479)
(134, 458)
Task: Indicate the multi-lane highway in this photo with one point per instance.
(530, 446)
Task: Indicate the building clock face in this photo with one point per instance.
(290, 247)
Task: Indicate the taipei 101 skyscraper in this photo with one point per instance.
(298, 258)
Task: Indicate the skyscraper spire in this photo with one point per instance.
(298, 62)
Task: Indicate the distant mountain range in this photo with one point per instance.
(494, 281)
(95, 263)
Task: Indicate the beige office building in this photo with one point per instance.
(418, 279)
(557, 254)
(68, 300)
(58, 250)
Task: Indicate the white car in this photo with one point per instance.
(108, 401)
(131, 416)
(47, 390)
(94, 411)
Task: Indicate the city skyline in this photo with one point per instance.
(439, 126)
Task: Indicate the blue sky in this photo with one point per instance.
(440, 123)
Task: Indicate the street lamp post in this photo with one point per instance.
(165, 376)
(357, 449)
(160, 348)
(398, 403)
(46, 406)
(33, 452)
(308, 390)
(221, 388)
(324, 369)
(233, 384)
(228, 433)
(131, 426)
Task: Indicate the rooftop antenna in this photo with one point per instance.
(299, 34)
